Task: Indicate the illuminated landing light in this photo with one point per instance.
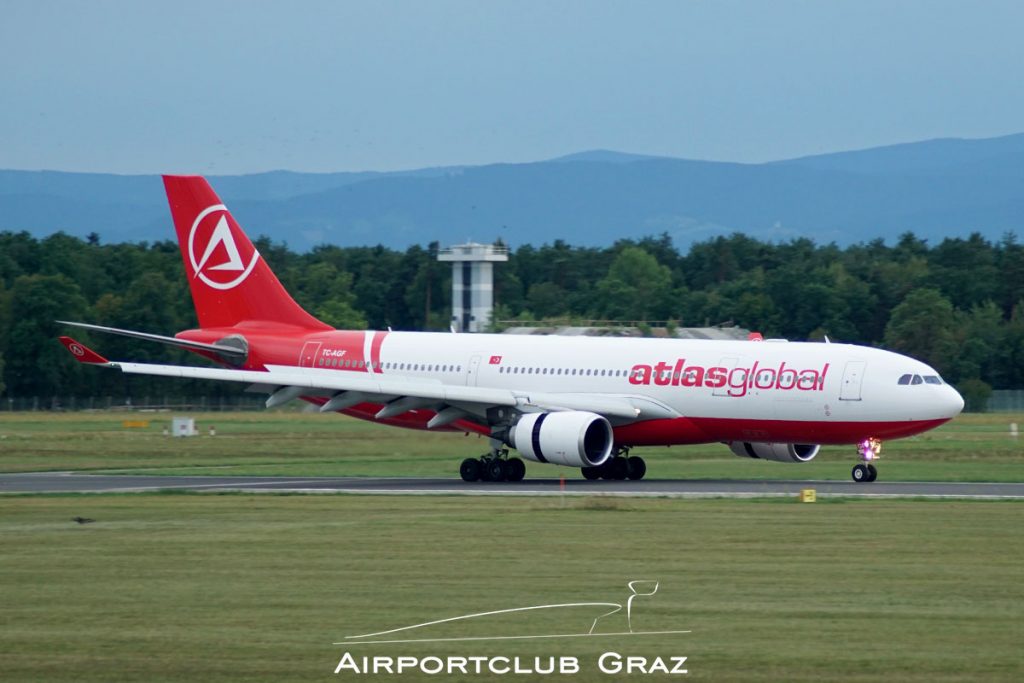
(869, 449)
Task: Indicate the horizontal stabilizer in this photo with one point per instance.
(229, 353)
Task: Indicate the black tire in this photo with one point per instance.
(872, 473)
(495, 470)
(515, 469)
(606, 469)
(469, 470)
(860, 473)
(591, 473)
(485, 474)
(619, 468)
(636, 468)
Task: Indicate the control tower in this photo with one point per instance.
(472, 283)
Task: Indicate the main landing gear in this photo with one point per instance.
(868, 450)
(494, 466)
(619, 467)
(498, 466)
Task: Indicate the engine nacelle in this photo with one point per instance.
(572, 438)
(779, 452)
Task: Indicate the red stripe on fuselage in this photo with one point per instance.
(682, 431)
(378, 340)
(414, 419)
(692, 430)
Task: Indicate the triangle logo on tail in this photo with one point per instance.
(222, 235)
(212, 228)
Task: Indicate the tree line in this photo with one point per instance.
(957, 305)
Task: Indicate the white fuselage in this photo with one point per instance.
(710, 382)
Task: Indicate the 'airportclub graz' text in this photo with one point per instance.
(607, 663)
(736, 381)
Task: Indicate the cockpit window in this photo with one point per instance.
(918, 379)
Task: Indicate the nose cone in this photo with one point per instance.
(953, 402)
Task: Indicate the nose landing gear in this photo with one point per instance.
(868, 450)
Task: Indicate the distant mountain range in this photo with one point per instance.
(935, 188)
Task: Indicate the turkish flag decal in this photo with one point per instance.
(495, 360)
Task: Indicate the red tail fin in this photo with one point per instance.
(230, 281)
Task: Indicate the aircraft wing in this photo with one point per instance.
(398, 394)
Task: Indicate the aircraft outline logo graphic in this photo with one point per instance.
(617, 607)
(221, 234)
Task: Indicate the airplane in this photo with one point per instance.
(581, 402)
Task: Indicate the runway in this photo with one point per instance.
(76, 482)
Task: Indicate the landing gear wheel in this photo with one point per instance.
(591, 473)
(485, 474)
(469, 470)
(872, 473)
(636, 468)
(861, 473)
(616, 468)
(515, 469)
(494, 470)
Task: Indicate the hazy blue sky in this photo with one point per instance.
(235, 87)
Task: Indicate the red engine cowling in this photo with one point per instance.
(779, 452)
(573, 438)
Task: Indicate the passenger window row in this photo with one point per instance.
(408, 367)
(584, 372)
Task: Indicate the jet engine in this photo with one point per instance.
(572, 438)
(779, 452)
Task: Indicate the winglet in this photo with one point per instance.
(755, 336)
(82, 353)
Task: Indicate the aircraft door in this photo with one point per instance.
(853, 377)
(471, 371)
(307, 358)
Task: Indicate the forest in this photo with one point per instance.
(957, 305)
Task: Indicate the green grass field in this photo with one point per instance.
(258, 587)
(971, 448)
